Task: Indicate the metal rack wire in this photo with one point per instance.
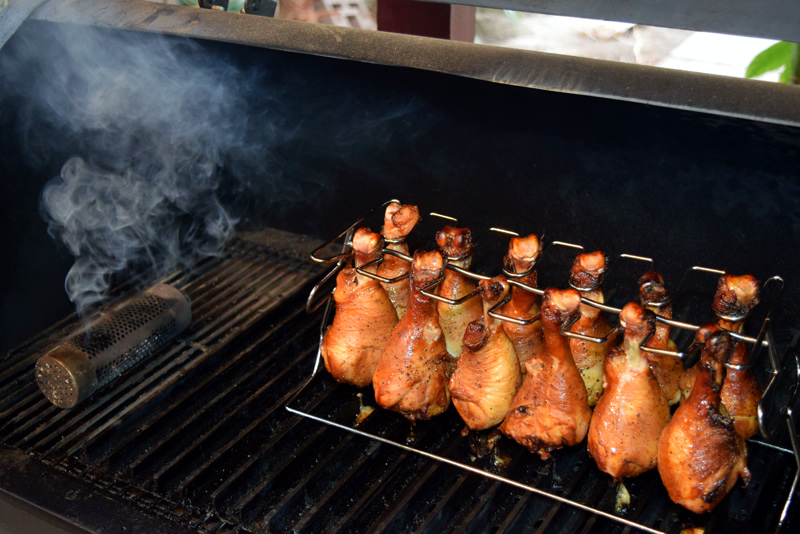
(764, 339)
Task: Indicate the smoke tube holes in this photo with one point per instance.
(116, 327)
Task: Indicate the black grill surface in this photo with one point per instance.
(199, 435)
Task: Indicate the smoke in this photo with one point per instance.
(155, 129)
(115, 222)
(161, 126)
(153, 119)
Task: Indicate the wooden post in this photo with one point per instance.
(443, 21)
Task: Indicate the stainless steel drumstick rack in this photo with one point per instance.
(764, 339)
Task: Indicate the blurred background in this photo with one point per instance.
(710, 53)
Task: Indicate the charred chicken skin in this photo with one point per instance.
(741, 393)
(364, 317)
(550, 409)
(667, 369)
(398, 222)
(628, 420)
(410, 377)
(528, 339)
(487, 375)
(456, 246)
(586, 275)
(700, 455)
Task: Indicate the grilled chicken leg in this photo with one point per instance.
(528, 339)
(364, 317)
(667, 369)
(399, 221)
(550, 409)
(628, 420)
(700, 455)
(741, 393)
(456, 246)
(410, 377)
(487, 375)
(586, 275)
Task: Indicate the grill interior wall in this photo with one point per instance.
(685, 188)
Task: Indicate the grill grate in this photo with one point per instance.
(199, 434)
(444, 497)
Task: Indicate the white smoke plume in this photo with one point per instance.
(115, 222)
(160, 117)
(155, 124)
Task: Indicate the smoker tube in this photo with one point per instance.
(103, 350)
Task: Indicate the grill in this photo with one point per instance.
(197, 437)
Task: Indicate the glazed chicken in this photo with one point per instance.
(528, 339)
(550, 409)
(586, 275)
(456, 246)
(398, 222)
(487, 375)
(410, 377)
(700, 455)
(667, 369)
(736, 297)
(364, 317)
(628, 420)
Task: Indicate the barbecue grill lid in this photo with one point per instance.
(720, 95)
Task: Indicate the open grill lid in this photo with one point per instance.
(635, 83)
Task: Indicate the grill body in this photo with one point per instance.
(197, 437)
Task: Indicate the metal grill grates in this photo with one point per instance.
(199, 435)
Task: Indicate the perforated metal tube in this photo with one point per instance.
(103, 350)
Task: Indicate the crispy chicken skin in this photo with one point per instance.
(410, 377)
(362, 323)
(398, 222)
(528, 339)
(628, 420)
(667, 369)
(487, 375)
(700, 455)
(741, 393)
(586, 275)
(456, 246)
(550, 410)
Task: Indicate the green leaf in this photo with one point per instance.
(773, 58)
(784, 76)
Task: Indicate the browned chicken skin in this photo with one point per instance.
(628, 420)
(398, 222)
(456, 246)
(363, 322)
(700, 455)
(410, 377)
(741, 393)
(586, 275)
(667, 369)
(528, 339)
(487, 375)
(550, 410)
